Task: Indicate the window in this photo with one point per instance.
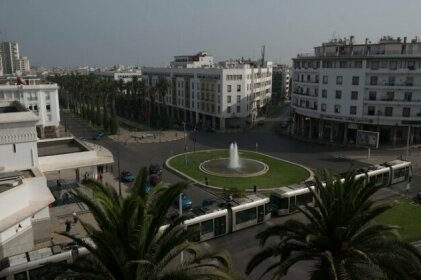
(229, 99)
(229, 88)
(372, 95)
(393, 65)
(388, 111)
(238, 98)
(324, 93)
(47, 96)
(14, 148)
(374, 65)
(219, 88)
(238, 88)
(371, 110)
(354, 95)
(342, 64)
(308, 78)
(35, 108)
(323, 108)
(358, 64)
(406, 112)
(238, 109)
(391, 81)
(390, 96)
(411, 65)
(355, 81)
(353, 110)
(325, 79)
(206, 227)
(409, 81)
(339, 80)
(229, 109)
(48, 107)
(373, 80)
(245, 216)
(408, 96)
(338, 94)
(337, 108)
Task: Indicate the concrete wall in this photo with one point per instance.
(23, 242)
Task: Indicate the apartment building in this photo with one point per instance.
(230, 94)
(343, 87)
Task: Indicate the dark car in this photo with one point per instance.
(154, 180)
(208, 202)
(99, 135)
(185, 202)
(155, 169)
(126, 176)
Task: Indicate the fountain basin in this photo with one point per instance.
(247, 168)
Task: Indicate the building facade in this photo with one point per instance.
(10, 59)
(24, 195)
(281, 82)
(117, 76)
(228, 95)
(22, 65)
(343, 87)
(41, 97)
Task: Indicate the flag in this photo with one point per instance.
(21, 81)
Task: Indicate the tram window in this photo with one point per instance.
(386, 179)
(304, 198)
(20, 276)
(284, 203)
(195, 232)
(267, 208)
(245, 216)
(207, 227)
(398, 173)
(220, 226)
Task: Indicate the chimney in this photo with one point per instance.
(404, 45)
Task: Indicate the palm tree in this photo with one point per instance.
(130, 242)
(340, 237)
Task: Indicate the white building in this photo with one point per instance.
(343, 87)
(125, 76)
(281, 81)
(22, 65)
(231, 94)
(24, 195)
(40, 96)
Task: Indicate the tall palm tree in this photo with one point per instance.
(340, 237)
(130, 242)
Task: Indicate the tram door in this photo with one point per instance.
(260, 213)
(292, 204)
(220, 226)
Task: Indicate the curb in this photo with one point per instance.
(172, 169)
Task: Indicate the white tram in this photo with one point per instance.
(285, 200)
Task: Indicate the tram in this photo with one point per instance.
(286, 200)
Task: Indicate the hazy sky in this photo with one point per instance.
(151, 32)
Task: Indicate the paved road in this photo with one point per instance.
(242, 244)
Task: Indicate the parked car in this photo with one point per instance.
(208, 201)
(155, 169)
(154, 180)
(185, 202)
(99, 135)
(126, 176)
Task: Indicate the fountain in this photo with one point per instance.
(234, 166)
(234, 162)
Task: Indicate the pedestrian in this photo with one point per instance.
(75, 218)
(230, 197)
(255, 189)
(206, 181)
(100, 177)
(58, 183)
(68, 225)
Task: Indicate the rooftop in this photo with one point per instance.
(60, 147)
(13, 111)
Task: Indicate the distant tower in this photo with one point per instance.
(9, 52)
(263, 55)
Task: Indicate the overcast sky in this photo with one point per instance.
(151, 32)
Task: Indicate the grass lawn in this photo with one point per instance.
(280, 173)
(407, 215)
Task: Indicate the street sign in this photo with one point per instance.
(367, 139)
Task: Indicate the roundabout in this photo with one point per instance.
(220, 169)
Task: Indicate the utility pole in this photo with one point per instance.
(407, 142)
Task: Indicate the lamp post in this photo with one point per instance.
(180, 208)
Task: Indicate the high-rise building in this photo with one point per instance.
(22, 65)
(10, 54)
(230, 94)
(343, 87)
(11, 61)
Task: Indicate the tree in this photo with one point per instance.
(130, 242)
(340, 236)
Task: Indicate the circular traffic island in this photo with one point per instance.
(212, 168)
